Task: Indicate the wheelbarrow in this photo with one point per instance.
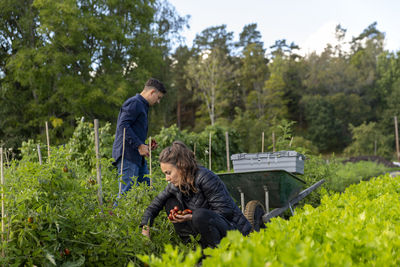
(265, 194)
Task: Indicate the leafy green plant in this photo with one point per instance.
(358, 227)
(54, 217)
(366, 139)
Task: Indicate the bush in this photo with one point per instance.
(54, 216)
(365, 138)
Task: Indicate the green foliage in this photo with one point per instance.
(53, 208)
(358, 227)
(368, 139)
(337, 175)
(67, 59)
(323, 127)
(352, 173)
(199, 143)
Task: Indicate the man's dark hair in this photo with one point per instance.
(156, 84)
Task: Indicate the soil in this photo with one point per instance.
(376, 159)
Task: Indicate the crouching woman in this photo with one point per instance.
(200, 190)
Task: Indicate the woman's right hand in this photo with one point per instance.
(146, 231)
(181, 218)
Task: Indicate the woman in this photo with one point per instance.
(196, 188)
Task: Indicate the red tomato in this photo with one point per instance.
(186, 211)
(176, 208)
(153, 144)
(67, 251)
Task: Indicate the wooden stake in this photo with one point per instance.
(273, 141)
(122, 162)
(98, 166)
(228, 167)
(291, 141)
(194, 148)
(48, 142)
(209, 152)
(151, 180)
(262, 142)
(397, 138)
(6, 155)
(2, 202)
(39, 154)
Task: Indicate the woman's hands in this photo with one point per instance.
(176, 218)
(179, 216)
(146, 231)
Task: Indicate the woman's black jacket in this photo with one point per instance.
(212, 194)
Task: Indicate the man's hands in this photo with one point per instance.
(144, 150)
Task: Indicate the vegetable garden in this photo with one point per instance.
(53, 217)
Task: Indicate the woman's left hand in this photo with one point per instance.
(146, 231)
(181, 218)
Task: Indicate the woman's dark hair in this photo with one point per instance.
(180, 156)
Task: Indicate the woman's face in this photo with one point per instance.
(172, 174)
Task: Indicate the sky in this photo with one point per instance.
(308, 23)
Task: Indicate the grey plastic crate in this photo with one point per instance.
(288, 160)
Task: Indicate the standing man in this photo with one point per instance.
(133, 116)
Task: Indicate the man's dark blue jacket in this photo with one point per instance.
(133, 116)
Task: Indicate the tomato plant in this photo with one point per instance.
(54, 217)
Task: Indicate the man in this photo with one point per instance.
(133, 116)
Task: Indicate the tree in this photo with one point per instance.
(249, 36)
(209, 73)
(366, 49)
(323, 127)
(214, 37)
(67, 59)
(366, 139)
(388, 83)
(274, 104)
(186, 104)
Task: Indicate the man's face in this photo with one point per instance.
(155, 97)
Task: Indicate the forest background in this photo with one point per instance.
(65, 59)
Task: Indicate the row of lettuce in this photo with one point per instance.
(53, 216)
(360, 227)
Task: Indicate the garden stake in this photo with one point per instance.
(262, 142)
(6, 155)
(227, 151)
(39, 154)
(2, 201)
(48, 142)
(122, 163)
(98, 166)
(273, 141)
(209, 152)
(151, 180)
(397, 138)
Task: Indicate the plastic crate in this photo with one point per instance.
(289, 161)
